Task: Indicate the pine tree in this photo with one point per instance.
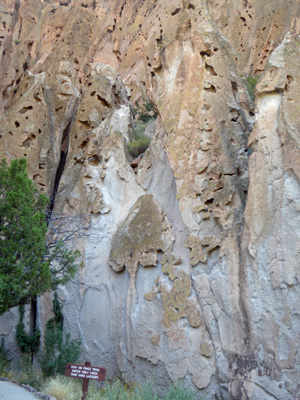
(28, 266)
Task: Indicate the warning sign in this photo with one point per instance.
(85, 372)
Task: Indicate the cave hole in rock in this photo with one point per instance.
(211, 89)
(209, 201)
(121, 10)
(83, 144)
(210, 70)
(85, 124)
(25, 109)
(290, 79)
(94, 160)
(176, 11)
(205, 53)
(27, 142)
(36, 96)
(103, 101)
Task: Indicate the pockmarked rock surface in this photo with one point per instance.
(192, 256)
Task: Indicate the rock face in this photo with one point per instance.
(192, 257)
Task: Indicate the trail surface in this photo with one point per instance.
(11, 391)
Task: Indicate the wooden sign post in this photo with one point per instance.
(86, 372)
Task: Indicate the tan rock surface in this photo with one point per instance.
(217, 303)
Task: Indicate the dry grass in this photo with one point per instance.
(62, 388)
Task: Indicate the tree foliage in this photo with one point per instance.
(30, 262)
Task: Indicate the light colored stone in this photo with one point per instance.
(230, 324)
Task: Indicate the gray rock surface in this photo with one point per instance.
(192, 257)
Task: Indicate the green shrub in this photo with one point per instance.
(144, 115)
(139, 128)
(146, 392)
(28, 374)
(250, 83)
(64, 388)
(58, 350)
(178, 392)
(139, 145)
(146, 112)
(28, 344)
(3, 357)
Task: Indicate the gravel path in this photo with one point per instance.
(11, 391)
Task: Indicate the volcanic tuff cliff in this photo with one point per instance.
(192, 266)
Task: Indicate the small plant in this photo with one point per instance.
(178, 392)
(3, 357)
(15, 89)
(144, 116)
(250, 83)
(58, 350)
(146, 112)
(146, 392)
(139, 145)
(28, 344)
(28, 374)
(17, 41)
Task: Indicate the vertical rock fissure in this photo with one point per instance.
(15, 13)
(208, 328)
(64, 148)
(243, 362)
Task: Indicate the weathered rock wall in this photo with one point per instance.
(191, 259)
